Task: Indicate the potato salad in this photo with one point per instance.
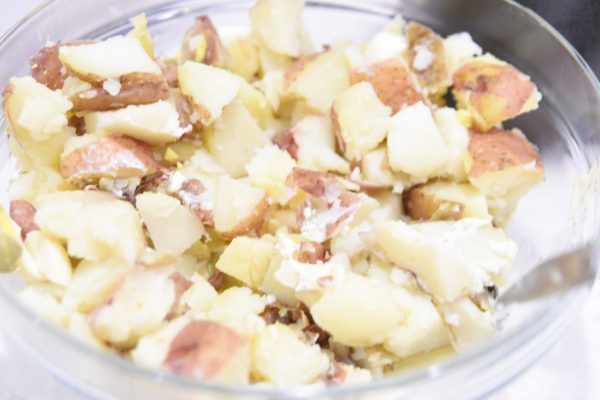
(252, 208)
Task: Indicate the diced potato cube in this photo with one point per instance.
(110, 58)
(257, 104)
(33, 111)
(243, 50)
(247, 259)
(200, 295)
(210, 89)
(281, 357)
(279, 25)
(415, 144)
(50, 256)
(450, 259)
(458, 49)
(140, 32)
(173, 227)
(392, 82)
(426, 57)
(269, 169)
(234, 139)
(468, 323)
(239, 308)
(445, 200)
(501, 163)
(92, 283)
(95, 225)
(423, 330)
(493, 91)
(201, 43)
(360, 120)
(115, 156)
(138, 307)
(318, 79)
(358, 311)
(152, 350)
(315, 140)
(384, 45)
(456, 137)
(156, 123)
(209, 351)
(239, 208)
(29, 185)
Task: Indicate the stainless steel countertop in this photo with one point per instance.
(569, 370)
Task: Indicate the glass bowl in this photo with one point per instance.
(555, 215)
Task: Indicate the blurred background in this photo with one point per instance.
(577, 20)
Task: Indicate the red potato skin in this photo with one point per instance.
(392, 82)
(311, 252)
(497, 149)
(46, 67)
(181, 286)
(349, 202)
(252, 225)
(22, 213)
(500, 80)
(297, 66)
(114, 156)
(136, 89)
(202, 348)
(216, 54)
(285, 141)
(312, 182)
(437, 72)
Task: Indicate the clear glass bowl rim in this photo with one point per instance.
(485, 354)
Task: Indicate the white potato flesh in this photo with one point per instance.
(279, 25)
(316, 145)
(468, 323)
(247, 259)
(450, 259)
(152, 350)
(138, 308)
(237, 205)
(34, 111)
(95, 225)
(440, 197)
(358, 311)
(456, 138)
(110, 58)
(279, 356)
(29, 185)
(383, 46)
(156, 123)
(200, 295)
(173, 227)
(362, 119)
(415, 144)
(209, 88)
(321, 80)
(459, 48)
(239, 309)
(268, 169)
(92, 283)
(50, 257)
(423, 330)
(234, 139)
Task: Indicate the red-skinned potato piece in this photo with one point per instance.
(392, 82)
(46, 67)
(285, 141)
(492, 91)
(204, 349)
(312, 182)
(115, 156)
(501, 162)
(215, 53)
(310, 252)
(434, 76)
(181, 286)
(23, 213)
(135, 89)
